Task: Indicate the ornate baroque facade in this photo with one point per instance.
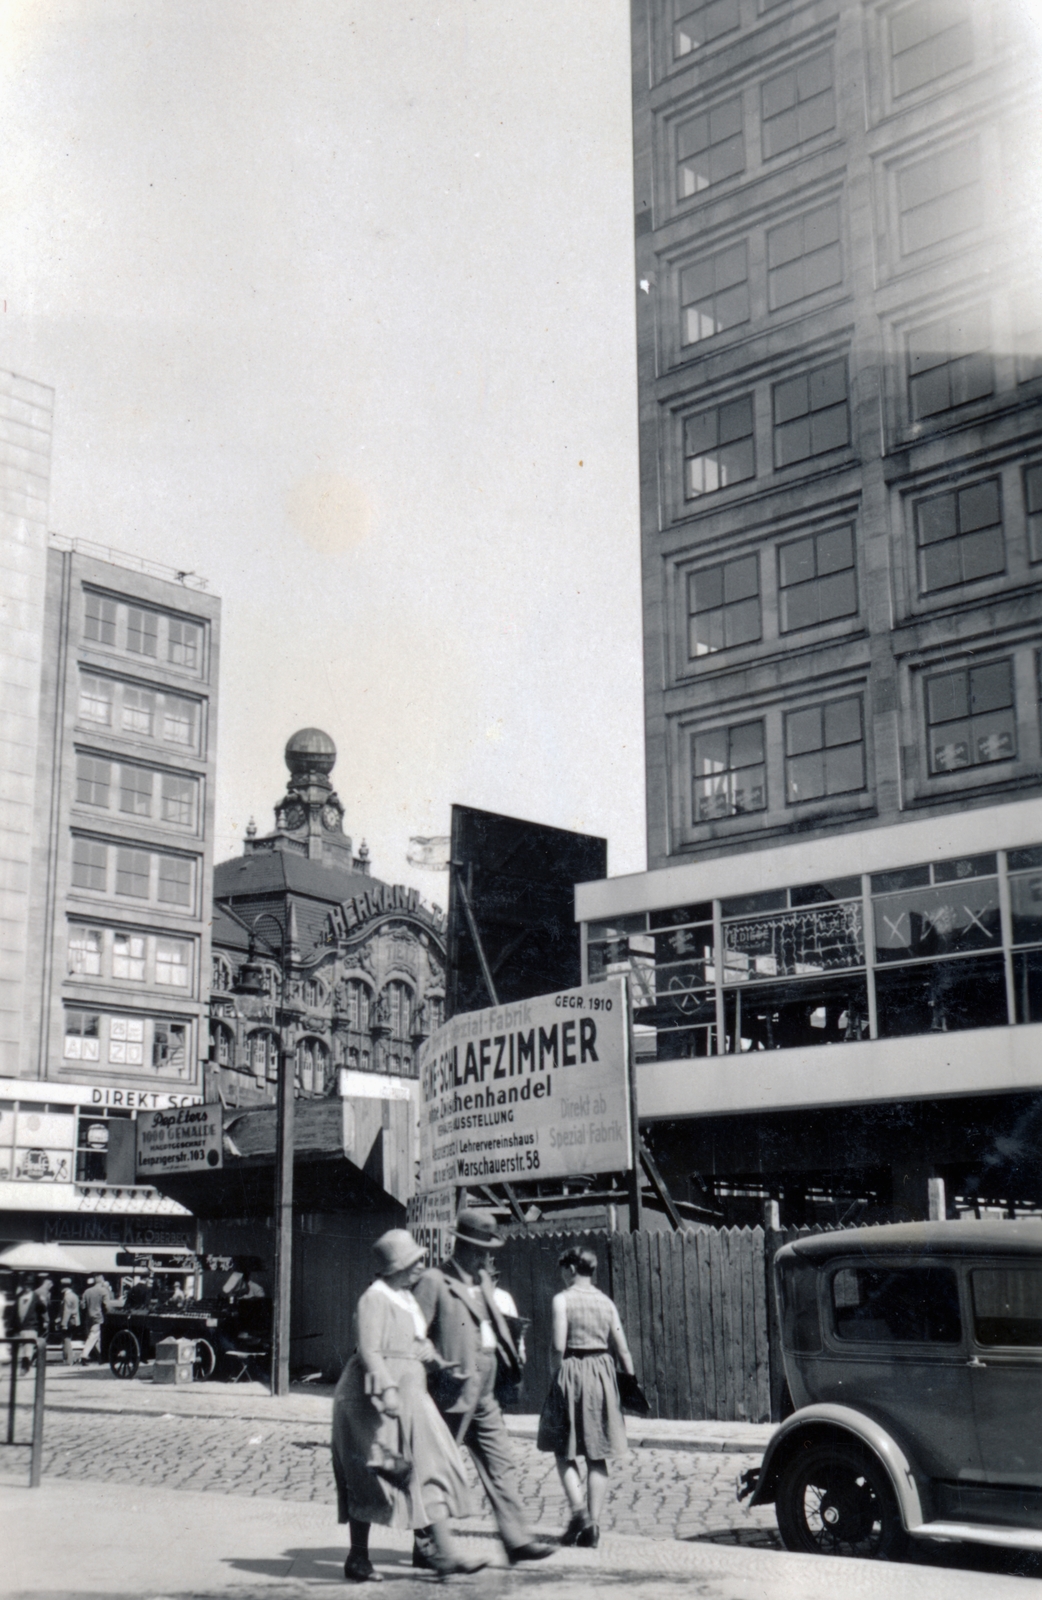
(349, 971)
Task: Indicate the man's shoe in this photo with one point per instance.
(359, 1569)
(590, 1537)
(535, 1550)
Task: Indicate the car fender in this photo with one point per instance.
(817, 1422)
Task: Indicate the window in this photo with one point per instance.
(900, 1305)
(824, 751)
(99, 618)
(127, 1041)
(960, 536)
(142, 631)
(710, 148)
(1033, 501)
(138, 710)
(927, 40)
(82, 1036)
(175, 880)
(949, 363)
(810, 414)
(95, 699)
(724, 606)
(128, 957)
(222, 1045)
(221, 974)
(312, 1057)
(729, 772)
(939, 197)
(718, 448)
(699, 22)
(178, 800)
(357, 1005)
(168, 1047)
(803, 256)
(970, 717)
(1007, 1306)
(184, 644)
(85, 952)
(399, 1010)
(89, 862)
(816, 579)
(435, 1012)
(93, 778)
(132, 873)
(172, 963)
(135, 791)
(714, 294)
(179, 721)
(798, 105)
(263, 1055)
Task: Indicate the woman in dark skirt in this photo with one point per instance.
(582, 1415)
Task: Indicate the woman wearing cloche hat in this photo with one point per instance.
(394, 1460)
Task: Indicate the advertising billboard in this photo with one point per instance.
(537, 1089)
(187, 1139)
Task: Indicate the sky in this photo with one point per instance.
(336, 297)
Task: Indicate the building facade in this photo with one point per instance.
(115, 1014)
(840, 393)
(347, 972)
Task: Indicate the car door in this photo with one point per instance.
(1006, 1370)
(898, 1350)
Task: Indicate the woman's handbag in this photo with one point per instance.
(631, 1395)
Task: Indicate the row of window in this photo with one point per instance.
(142, 713)
(133, 874)
(132, 1042)
(314, 1063)
(48, 1143)
(141, 631)
(803, 258)
(810, 417)
(128, 957)
(136, 791)
(970, 722)
(927, 39)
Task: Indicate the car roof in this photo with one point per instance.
(990, 1236)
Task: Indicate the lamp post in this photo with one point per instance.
(250, 982)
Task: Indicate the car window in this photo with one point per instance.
(896, 1305)
(1007, 1305)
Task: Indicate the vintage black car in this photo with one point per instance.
(913, 1355)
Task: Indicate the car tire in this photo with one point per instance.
(124, 1355)
(836, 1499)
(205, 1364)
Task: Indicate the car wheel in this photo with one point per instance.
(124, 1355)
(836, 1500)
(205, 1363)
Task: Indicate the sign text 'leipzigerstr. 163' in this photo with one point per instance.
(535, 1089)
(187, 1139)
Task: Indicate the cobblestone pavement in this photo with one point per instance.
(665, 1494)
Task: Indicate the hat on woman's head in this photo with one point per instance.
(397, 1250)
(478, 1228)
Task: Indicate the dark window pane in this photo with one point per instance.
(936, 519)
(896, 1305)
(792, 442)
(711, 751)
(979, 506)
(947, 697)
(742, 622)
(747, 744)
(1027, 985)
(797, 561)
(941, 567)
(842, 721)
(791, 399)
(799, 607)
(803, 731)
(828, 385)
(805, 778)
(835, 550)
(1007, 1306)
(982, 554)
(837, 596)
(941, 996)
(708, 588)
(795, 1014)
(1026, 897)
(845, 769)
(829, 430)
(991, 686)
(741, 579)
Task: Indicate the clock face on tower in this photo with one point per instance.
(330, 818)
(293, 817)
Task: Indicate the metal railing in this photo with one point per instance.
(20, 1348)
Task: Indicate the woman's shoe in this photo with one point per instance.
(580, 1520)
(590, 1537)
(453, 1566)
(359, 1569)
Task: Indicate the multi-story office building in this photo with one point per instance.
(118, 951)
(838, 950)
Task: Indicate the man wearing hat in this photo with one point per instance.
(470, 1332)
(70, 1314)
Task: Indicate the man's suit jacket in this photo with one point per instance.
(453, 1326)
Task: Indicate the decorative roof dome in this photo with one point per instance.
(310, 752)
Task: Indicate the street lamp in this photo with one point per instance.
(250, 981)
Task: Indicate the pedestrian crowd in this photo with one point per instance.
(34, 1311)
(439, 1351)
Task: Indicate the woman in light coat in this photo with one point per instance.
(394, 1460)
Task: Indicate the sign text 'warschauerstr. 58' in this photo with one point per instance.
(536, 1089)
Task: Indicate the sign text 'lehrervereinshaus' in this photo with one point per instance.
(536, 1089)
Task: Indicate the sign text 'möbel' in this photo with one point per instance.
(534, 1089)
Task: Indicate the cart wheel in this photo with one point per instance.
(124, 1355)
(205, 1363)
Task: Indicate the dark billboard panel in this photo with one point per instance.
(516, 880)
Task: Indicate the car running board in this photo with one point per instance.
(980, 1533)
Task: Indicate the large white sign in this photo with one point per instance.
(185, 1140)
(537, 1089)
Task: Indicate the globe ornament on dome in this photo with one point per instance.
(310, 753)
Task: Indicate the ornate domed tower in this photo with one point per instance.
(309, 819)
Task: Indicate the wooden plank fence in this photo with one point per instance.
(694, 1306)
